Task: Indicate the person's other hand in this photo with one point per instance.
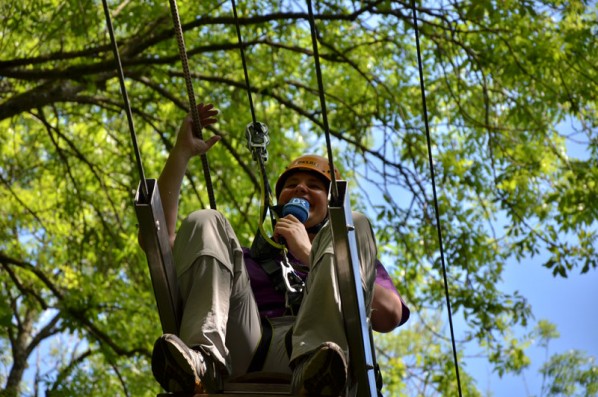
(190, 144)
(295, 236)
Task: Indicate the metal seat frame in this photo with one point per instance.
(152, 223)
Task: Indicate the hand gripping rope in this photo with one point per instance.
(196, 125)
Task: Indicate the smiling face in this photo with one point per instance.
(310, 187)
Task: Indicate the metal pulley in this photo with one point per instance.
(257, 140)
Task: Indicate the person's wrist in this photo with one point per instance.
(305, 256)
(182, 152)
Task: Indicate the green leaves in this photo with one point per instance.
(571, 374)
(500, 78)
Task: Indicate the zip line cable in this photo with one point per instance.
(436, 210)
(314, 41)
(197, 127)
(123, 90)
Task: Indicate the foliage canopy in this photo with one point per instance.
(510, 85)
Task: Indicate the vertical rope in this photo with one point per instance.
(437, 212)
(314, 41)
(197, 127)
(247, 85)
(260, 161)
(123, 90)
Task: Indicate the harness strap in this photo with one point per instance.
(259, 357)
(292, 299)
(273, 271)
(264, 253)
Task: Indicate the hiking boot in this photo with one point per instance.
(178, 368)
(322, 373)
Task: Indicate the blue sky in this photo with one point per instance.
(569, 303)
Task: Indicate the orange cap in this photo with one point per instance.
(307, 162)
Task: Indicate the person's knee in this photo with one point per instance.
(202, 217)
(195, 225)
(205, 233)
(201, 224)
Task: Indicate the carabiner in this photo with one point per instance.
(288, 274)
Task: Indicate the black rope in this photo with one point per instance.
(123, 90)
(197, 127)
(267, 188)
(247, 85)
(314, 40)
(437, 212)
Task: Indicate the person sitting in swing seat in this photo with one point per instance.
(235, 301)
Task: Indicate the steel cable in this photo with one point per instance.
(436, 210)
(123, 90)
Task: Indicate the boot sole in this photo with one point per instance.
(325, 374)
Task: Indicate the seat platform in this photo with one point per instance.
(249, 385)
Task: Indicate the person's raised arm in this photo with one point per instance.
(185, 147)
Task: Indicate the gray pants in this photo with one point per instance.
(220, 314)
